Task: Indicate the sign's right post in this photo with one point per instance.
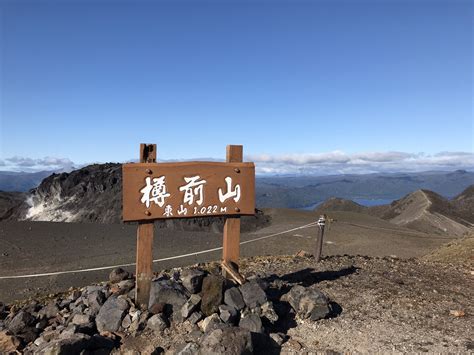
(231, 242)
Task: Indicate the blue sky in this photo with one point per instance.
(357, 85)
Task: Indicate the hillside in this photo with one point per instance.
(339, 204)
(94, 194)
(304, 191)
(21, 181)
(464, 204)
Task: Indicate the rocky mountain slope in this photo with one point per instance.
(94, 194)
(421, 210)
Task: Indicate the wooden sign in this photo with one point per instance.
(189, 189)
(181, 190)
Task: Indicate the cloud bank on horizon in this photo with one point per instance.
(336, 162)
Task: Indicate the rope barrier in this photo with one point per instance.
(154, 261)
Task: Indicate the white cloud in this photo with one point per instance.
(338, 162)
(18, 163)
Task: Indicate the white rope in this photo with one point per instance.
(154, 261)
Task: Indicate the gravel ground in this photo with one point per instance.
(382, 305)
(386, 304)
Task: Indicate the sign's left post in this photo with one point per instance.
(145, 232)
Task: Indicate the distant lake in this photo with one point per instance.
(361, 201)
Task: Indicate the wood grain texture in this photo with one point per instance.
(231, 242)
(145, 232)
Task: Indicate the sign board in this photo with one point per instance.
(187, 189)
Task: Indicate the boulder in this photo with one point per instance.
(118, 274)
(72, 345)
(210, 323)
(269, 312)
(253, 294)
(190, 306)
(192, 280)
(169, 293)
(49, 311)
(229, 341)
(228, 314)
(20, 322)
(308, 303)
(195, 317)
(111, 314)
(94, 301)
(233, 298)
(157, 323)
(81, 319)
(251, 322)
(212, 294)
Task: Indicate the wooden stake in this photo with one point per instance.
(231, 242)
(319, 241)
(144, 272)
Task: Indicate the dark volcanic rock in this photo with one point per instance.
(309, 303)
(230, 341)
(21, 321)
(212, 294)
(170, 293)
(71, 345)
(253, 294)
(118, 275)
(190, 306)
(233, 298)
(157, 323)
(192, 279)
(252, 322)
(111, 314)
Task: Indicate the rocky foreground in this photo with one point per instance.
(289, 304)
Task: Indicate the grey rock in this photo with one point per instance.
(190, 306)
(233, 298)
(49, 311)
(253, 294)
(75, 294)
(268, 312)
(309, 303)
(188, 349)
(192, 280)
(73, 345)
(68, 332)
(210, 323)
(227, 313)
(251, 322)
(118, 274)
(229, 341)
(111, 314)
(80, 319)
(95, 300)
(170, 293)
(157, 323)
(127, 320)
(20, 322)
(212, 294)
(195, 317)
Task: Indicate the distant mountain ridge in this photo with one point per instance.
(12, 181)
(304, 191)
(93, 194)
(422, 210)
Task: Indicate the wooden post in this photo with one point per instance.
(144, 272)
(231, 242)
(319, 240)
